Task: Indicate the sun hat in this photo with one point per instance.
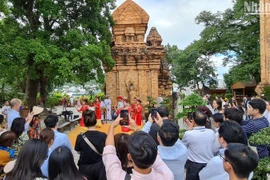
(37, 110)
(9, 166)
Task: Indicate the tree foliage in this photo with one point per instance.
(190, 104)
(46, 43)
(262, 138)
(235, 34)
(190, 67)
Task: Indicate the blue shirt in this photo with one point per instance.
(253, 126)
(11, 151)
(60, 139)
(44, 167)
(11, 115)
(175, 158)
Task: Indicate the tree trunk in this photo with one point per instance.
(43, 88)
(31, 91)
(3, 93)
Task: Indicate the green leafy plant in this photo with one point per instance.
(261, 138)
(266, 91)
(53, 100)
(190, 104)
(151, 103)
(101, 95)
(181, 134)
(167, 102)
(262, 170)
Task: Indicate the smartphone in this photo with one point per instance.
(125, 118)
(154, 113)
(190, 116)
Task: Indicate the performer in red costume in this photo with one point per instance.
(82, 109)
(98, 112)
(138, 112)
(133, 107)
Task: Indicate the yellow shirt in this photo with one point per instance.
(4, 157)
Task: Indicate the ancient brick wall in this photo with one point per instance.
(140, 68)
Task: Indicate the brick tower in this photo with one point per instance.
(141, 69)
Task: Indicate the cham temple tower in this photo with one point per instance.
(141, 69)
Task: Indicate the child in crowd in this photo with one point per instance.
(6, 154)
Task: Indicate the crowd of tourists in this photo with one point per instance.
(215, 145)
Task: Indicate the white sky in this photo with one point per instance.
(175, 21)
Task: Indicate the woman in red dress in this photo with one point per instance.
(81, 110)
(138, 112)
(133, 107)
(98, 112)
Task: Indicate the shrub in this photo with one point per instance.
(190, 104)
(262, 138)
(266, 91)
(53, 100)
(181, 134)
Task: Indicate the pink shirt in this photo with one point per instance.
(114, 171)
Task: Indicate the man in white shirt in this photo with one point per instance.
(71, 99)
(108, 105)
(120, 103)
(229, 132)
(5, 108)
(200, 144)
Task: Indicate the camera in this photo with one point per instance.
(190, 116)
(125, 118)
(154, 113)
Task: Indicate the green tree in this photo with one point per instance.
(190, 104)
(46, 43)
(235, 34)
(191, 66)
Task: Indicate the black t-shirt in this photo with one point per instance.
(87, 155)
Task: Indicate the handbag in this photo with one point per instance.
(90, 144)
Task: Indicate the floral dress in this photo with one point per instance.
(34, 132)
(19, 143)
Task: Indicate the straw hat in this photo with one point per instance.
(9, 166)
(37, 110)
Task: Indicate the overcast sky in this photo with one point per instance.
(175, 20)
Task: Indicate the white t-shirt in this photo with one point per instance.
(5, 109)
